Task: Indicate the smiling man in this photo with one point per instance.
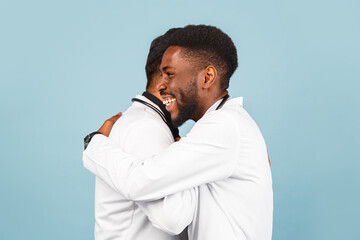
(224, 154)
(181, 84)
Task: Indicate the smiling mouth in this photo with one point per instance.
(168, 101)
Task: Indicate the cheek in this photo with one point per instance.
(172, 85)
(177, 86)
(177, 82)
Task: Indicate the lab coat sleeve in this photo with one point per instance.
(207, 154)
(146, 138)
(173, 213)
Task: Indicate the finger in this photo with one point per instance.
(113, 119)
(118, 115)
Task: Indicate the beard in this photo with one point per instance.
(189, 102)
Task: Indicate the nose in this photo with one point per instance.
(162, 85)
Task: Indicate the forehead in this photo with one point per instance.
(172, 58)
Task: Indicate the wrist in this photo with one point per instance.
(88, 138)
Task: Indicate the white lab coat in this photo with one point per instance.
(224, 154)
(141, 132)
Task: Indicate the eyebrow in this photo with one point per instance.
(166, 68)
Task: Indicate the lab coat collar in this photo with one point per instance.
(238, 100)
(154, 101)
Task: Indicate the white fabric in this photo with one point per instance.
(142, 132)
(224, 154)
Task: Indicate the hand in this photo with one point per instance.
(108, 124)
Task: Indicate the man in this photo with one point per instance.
(224, 153)
(144, 130)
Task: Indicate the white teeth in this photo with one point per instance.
(168, 101)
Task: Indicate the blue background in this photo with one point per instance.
(66, 66)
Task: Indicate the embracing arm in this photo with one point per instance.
(207, 154)
(173, 213)
(146, 137)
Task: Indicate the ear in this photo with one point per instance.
(209, 76)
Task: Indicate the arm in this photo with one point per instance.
(173, 213)
(144, 138)
(207, 154)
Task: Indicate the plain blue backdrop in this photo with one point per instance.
(66, 66)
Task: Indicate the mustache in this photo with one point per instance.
(162, 93)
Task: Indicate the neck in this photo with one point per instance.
(202, 109)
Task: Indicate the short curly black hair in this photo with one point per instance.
(157, 48)
(207, 45)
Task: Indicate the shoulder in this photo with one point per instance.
(141, 129)
(222, 118)
(229, 121)
(234, 114)
(214, 127)
(139, 117)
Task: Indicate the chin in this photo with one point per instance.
(174, 116)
